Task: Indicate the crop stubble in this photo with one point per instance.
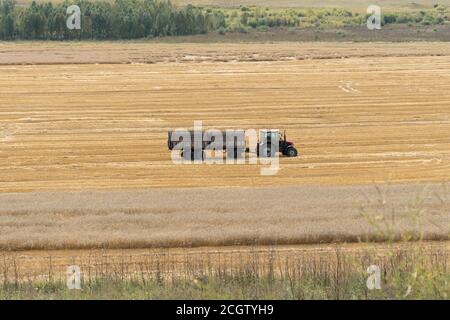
(362, 114)
(355, 120)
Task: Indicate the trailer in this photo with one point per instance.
(265, 147)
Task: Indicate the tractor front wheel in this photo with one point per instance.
(291, 152)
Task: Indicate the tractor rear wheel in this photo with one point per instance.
(291, 152)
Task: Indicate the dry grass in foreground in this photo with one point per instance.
(408, 271)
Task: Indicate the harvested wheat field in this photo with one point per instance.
(196, 217)
(84, 160)
(356, 120)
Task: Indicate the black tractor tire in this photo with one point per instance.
(291, 152)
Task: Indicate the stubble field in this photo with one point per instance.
(79, 117)
(355, 120)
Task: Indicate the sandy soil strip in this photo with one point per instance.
(29, 53)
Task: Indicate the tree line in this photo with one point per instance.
(131, 19)
(118, 19)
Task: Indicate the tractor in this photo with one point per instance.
(270, 137)
(264, 147)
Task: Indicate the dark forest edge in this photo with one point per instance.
(137, 19)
